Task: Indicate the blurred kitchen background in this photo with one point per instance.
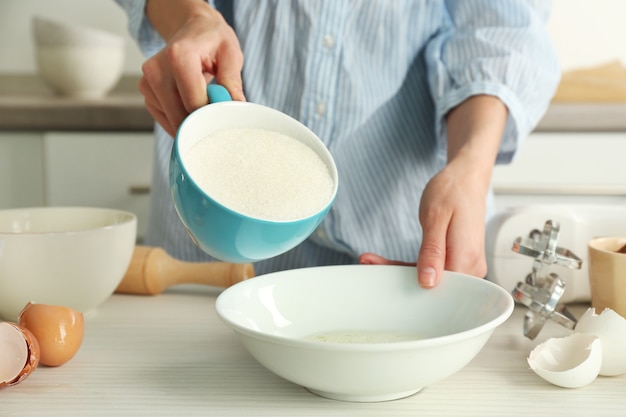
(58, 150)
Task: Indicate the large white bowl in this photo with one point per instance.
(276, 315)
(70, 256)
(77, 61)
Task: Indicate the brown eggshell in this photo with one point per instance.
(31, 354)
(59, 331)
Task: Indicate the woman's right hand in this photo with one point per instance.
(200, 46)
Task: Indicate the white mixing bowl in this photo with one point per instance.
(77, 61)
(69, 256)
(363, 332)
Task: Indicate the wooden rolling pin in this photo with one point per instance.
(152, 270)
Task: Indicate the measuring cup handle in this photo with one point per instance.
(217, 93)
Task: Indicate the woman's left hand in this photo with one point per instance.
(452, 215)
(452, 209)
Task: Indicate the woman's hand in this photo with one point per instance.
(452, 215)
(200, 46)
(453, 206)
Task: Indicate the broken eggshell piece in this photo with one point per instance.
(610, 327)
(19, 353)
(570, 362)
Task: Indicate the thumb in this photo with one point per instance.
(432, 256)
(229, 75)
(234, 86)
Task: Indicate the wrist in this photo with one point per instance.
(168, 16)
(474, 132)
(474, 129)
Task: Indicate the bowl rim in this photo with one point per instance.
(128, 218)
(603, 243)
(332, 169)
(379, 346)
(72, 34)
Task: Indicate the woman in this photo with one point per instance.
(416, 100)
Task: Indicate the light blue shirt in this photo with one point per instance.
(374, 79)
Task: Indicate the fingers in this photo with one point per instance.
(161, 94)
(174, 86)
(465, 250)
(453, 241)
(153, 106)
(369, 258)
(189, 77)
(161, 119)
(174, 80)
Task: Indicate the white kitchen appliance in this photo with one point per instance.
(579, 223)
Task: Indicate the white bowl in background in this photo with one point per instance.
(80, 72)
(363, 332)
(69, 256)
(77, 61)
(47, 32)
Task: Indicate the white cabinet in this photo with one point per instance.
(21, 170)
(110, 170)
(564, 168)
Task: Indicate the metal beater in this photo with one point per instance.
(542, 290)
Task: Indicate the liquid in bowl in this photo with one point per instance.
(359, 337)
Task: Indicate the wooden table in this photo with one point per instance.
(170, 355)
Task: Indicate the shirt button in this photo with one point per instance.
(328, 41)
(320, 108)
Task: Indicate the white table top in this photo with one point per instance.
(170, 355)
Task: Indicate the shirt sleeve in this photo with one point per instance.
(499, 48)
(140, 28)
